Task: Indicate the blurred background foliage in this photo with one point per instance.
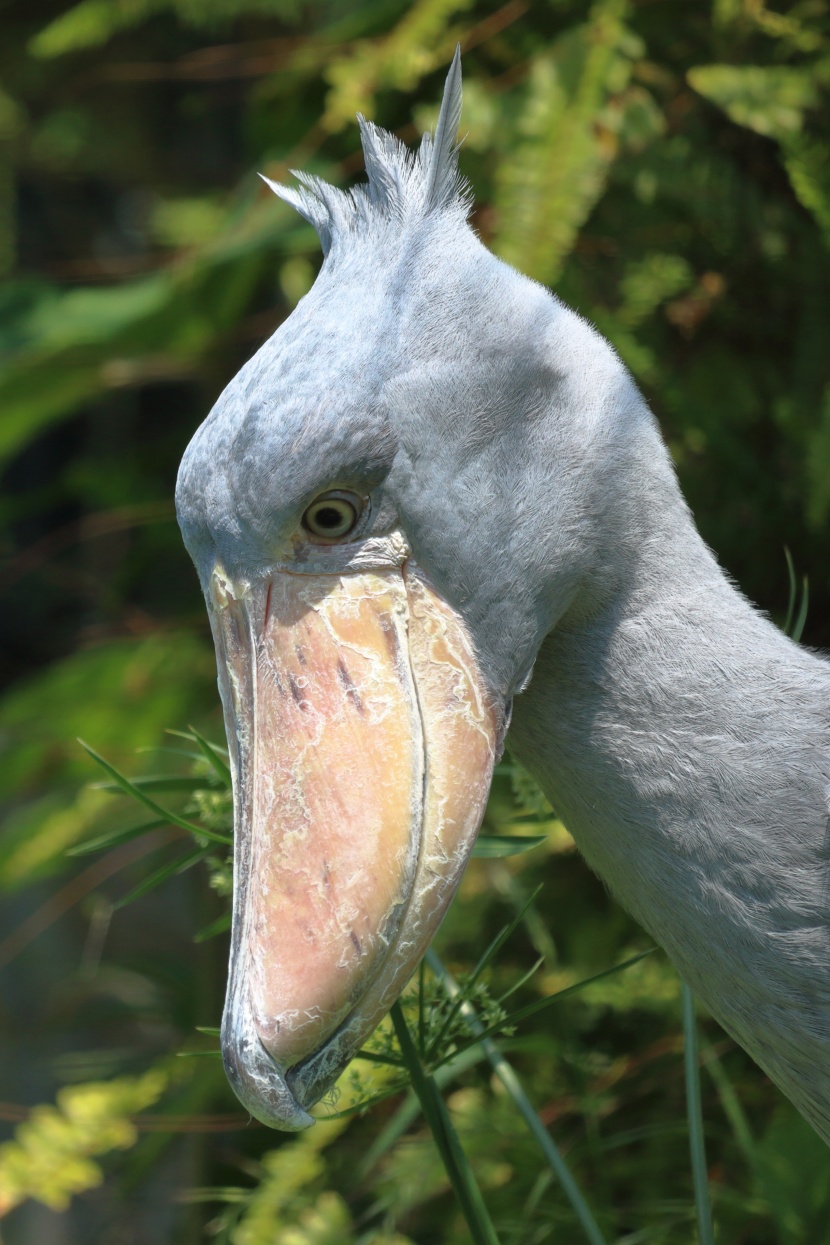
(666, 165)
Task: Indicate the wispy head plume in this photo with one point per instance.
(402, 185)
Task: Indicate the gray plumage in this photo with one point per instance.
(683, 739)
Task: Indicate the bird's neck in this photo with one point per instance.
(685, 742)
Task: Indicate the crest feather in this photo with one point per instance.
(442, 174)
(402, 185)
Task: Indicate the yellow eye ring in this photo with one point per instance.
(332, 516)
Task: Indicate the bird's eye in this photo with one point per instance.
(333, 516)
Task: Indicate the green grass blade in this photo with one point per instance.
(504, 1071)
(500, 939)
(794, 623)
(446, 1139)
(169, 870)
(798, 625)
(732, 1109)
(697, 1147)
(792, 591)
(115, 838)
(523, 1013)
(525, 977)
(220, 767)
(410, 1109)
(129, 788)
(365, 1105)
(498, 846)
(156, 782)
(372, 1056)
(761, 1163)
(494, 947)
(218, 926)
(422, 1013)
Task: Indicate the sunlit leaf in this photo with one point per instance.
(52, 1155)
(769, 99)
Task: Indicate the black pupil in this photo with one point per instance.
(330, 517)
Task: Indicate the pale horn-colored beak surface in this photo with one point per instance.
(363, 742)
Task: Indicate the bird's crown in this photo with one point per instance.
(403, 185)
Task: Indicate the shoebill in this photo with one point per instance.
(433, 503)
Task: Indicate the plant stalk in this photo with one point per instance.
(446, 1139)
(697, 1145)
(506, 1074)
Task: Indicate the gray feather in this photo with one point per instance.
(388, 167)
(402, 187)
(307, 205)
(442, 174)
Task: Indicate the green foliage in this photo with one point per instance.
(51, 1157)
(420, 43)
(41, 718)
(569, 129)
(94, 22)
(290, 1202)
(807, 161)
(284, 1193)
(82, 343)
(667, 166)
(771, 100)
(53, 708)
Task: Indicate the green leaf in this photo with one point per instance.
(524, 1013)
(446, 1139)
(216, 927)
(129, 788)
(126, 692)
(90, 24)
(373, 1056)
(214, 757)
(37, 835)
(51, 1156)
(157, 782)
(506, 1074)
(794, 622)
(521, 981)
(697, 1147)
(115, 838)
(492, 846)
(417, 44)
(561, 148)
(769, 99)
(798, 625)
(470, 981)
(169, 870)
(85, 342)
(807, 161)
